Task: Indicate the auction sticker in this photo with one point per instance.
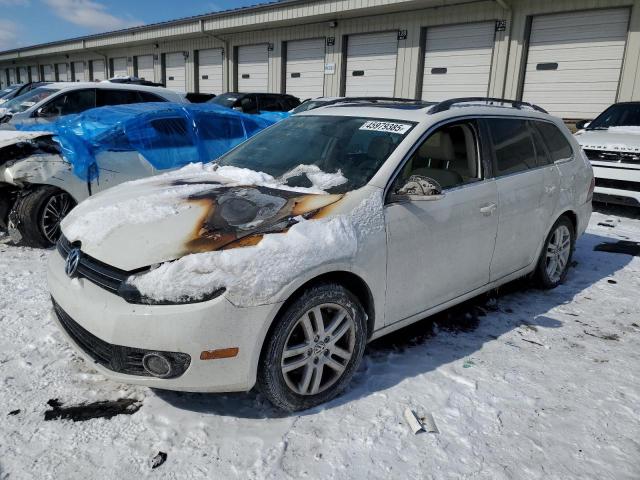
(391, 127)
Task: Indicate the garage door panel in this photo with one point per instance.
(78, 71)
(119, 67)
(305, 68)
(253, 68)
(588, 48)
(457, 60)
(210, 73)
(175, 71)
(582, 52)
(145, 67)
(373, 58)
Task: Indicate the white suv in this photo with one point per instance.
(333, 227)
(612, 143)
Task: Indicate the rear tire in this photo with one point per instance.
(305, 362)
(555, 257)
(35, 218)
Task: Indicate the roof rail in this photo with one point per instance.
(447, 104)
(375, 100)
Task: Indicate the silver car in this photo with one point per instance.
(278, 264)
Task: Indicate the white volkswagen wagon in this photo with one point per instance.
(277, 264)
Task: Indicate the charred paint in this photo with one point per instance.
(240, 216)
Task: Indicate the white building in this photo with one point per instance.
(573, 57)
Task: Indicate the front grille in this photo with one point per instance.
(612, 156)
(103, 275)
(115, 357)
(619, 184)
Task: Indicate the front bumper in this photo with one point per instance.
(618, 183)
(191, 329)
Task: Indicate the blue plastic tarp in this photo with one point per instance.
(168, 135)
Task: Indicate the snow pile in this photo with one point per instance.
(253, 275)
(633, 129)
(319, 179)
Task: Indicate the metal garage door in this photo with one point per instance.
(48, 73)
(253, 68)
(144, 66)
(119, 67)
(35, 75)
(210, 71)
(97, 70)
(371, 64)
(63, 74)
(574, 61)
(175, 71)
(23, 73)
(78, 72)
(305, 68)
(12, 76)
(457, 61)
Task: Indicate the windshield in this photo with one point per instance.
(226, 99)
(8, 90)
(334, 153)
(621, 115)
(29, 99)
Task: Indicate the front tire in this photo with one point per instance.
(35, 218)
(555, 258)
(314, 348)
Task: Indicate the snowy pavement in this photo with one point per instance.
(538, 384)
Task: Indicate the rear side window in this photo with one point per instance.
(116, 97)
(73, 102)
(542, 155)
(557, 144)
(512, 144)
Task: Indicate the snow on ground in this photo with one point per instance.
(534, 385)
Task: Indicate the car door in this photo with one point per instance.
(520, 182)
(440, 248)
(76, 101)
(546, 144)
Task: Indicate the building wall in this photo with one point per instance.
(277, 24)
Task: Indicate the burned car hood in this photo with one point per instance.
(143, 223)
(609, 140)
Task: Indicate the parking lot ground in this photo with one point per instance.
(529, 384)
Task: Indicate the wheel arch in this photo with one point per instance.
(351, 281)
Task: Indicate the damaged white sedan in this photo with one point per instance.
(44, 174)
(278, 264)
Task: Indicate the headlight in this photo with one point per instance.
(132, 295)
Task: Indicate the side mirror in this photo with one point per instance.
(582, 124)
(418, 188)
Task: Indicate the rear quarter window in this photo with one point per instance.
(557, 144)
(512, 145)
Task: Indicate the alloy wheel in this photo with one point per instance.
(318, 349)
(558, 252)
(55, 209)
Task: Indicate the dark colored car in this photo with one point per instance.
(257, 102)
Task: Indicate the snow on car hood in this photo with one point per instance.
(624, 139)
(193, 210)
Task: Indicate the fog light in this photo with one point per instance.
(157, 365)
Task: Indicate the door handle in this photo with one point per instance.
(488, 209)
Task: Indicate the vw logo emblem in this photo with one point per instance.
(73, 260)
